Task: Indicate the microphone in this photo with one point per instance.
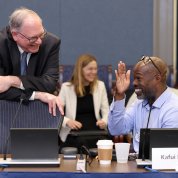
(146, 135)
(22, 98)
(81, 162)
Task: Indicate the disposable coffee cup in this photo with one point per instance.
(122, 152)
(105, 148)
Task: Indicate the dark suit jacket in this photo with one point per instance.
(43, 66)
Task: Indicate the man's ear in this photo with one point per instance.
(158, 77)
(14, 35)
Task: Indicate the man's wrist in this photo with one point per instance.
(37, 95)
(118, 96)
(14, 81)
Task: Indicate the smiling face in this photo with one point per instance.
(145, 81)
(84, 74)
(89, 72)
(31, 28)
(150, 75)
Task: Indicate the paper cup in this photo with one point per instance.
(105, 148)
(122, 152)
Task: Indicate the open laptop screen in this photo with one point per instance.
(163, 138)
(34, 143)
(144, 145)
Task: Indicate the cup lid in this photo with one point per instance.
(104, 142)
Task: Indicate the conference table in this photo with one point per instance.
(67, 169)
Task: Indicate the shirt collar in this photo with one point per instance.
(20, 49)
(160, 101)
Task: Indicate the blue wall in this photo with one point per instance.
(47, 9)
(109, 29)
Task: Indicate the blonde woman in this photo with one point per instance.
(85, 102)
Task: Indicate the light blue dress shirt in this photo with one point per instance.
(164, 114)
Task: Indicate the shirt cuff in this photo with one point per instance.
(32, 96)
(118, 105)
(21, 86)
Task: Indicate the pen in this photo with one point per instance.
(150, 169)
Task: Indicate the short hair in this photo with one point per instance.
(157, 64)
(17, 17)
(77, 77)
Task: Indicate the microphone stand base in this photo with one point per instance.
(142, 164)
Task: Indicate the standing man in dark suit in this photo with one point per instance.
(38, 80)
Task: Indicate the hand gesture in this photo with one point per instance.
(122, 78)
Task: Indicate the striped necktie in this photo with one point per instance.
(23, 60)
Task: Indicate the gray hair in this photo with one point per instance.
(17, 17)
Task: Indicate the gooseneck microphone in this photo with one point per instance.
(145, 135)
(82, 161)
(22, 98)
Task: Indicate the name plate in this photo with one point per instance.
(164, 158)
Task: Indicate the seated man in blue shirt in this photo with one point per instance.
(156, 107)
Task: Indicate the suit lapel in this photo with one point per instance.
(73, 101)
(96, 98)
(15, 56)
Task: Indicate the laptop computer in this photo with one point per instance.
(155, 138)
(144, 148)
(34, 143)
(34, 146)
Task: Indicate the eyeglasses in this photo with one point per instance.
(35, 38)
(147, 59)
